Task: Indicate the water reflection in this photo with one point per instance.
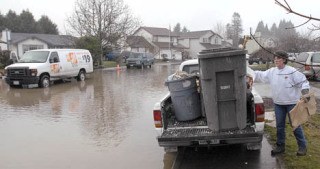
(106, 119)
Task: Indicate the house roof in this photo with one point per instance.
(51, 40)
(210, 46)
(196, 34)
(138, 41)
(158, 31)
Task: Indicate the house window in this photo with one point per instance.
(31, 47)
(205, 40)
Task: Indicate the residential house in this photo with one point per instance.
(19, 43)
(170, 45)
(164, 42)
(139, 44)
(197, 41)
(252, 45)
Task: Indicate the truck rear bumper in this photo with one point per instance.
(205, 137)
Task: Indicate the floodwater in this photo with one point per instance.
(104, 122)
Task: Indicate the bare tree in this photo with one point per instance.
(110, 21)
(220, 29)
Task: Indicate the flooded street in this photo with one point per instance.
(104, 122)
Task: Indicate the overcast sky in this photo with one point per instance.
(194, 14)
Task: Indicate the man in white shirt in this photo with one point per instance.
(287, 86)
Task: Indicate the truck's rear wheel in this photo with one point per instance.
(81, 75)
(44, 81)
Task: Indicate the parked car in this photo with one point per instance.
(253, 60)
(309, 64)
(112, 56)
(139, 60)
(293, 56)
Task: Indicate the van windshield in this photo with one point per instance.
(34, 57)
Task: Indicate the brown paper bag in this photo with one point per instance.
(302, 111)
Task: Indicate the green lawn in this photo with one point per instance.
(311, 160)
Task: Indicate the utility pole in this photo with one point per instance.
(8, 38)
(170, 41)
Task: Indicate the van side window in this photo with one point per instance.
(54, 57)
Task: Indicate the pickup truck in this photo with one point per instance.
(173, 134)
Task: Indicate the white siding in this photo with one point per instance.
(144, 34)
(184, 42)
(205, 38)
(195, 48)
(163, 39)
(30, 42)
(216, 40)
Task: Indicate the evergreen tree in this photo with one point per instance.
(260, 27)
(273, 30)
(177, 28)
(46, 26)
(185, 30)
(12, 21)
(2, 22)
(266, 31)
(236, 25)
(27, 22)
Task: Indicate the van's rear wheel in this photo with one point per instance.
(44, 81)
(81, 75)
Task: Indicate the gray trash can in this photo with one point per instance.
(185, 98)
(222, 74)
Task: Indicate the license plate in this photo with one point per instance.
(214, 141)
(205, 142)
(16, 82)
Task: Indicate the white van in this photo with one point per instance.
(37, 68)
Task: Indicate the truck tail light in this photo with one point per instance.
(259, 108)
(157, 118)
(307, 67)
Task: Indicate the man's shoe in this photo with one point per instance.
(278, 150)
(302, 151)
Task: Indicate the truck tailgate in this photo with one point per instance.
(197, 133)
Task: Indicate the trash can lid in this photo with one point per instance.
(221, 52)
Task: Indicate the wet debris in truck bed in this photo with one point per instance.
(197, 122)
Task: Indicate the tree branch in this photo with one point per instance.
(288, 8)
